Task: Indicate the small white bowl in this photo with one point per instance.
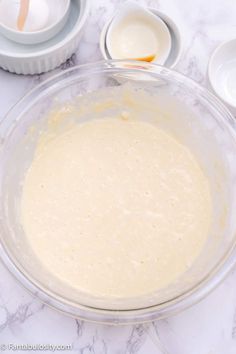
(60, 10)
(222, 73)
(130, 13)
(176, 41)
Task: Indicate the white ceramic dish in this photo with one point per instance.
(176, 41)
(154, 36)
(222, 73)
(35, 59)
(57, 16)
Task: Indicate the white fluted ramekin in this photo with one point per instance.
(23, 59)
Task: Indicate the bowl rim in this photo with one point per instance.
(158, 311)
(79, 24)
(212, 73)
(43, 31)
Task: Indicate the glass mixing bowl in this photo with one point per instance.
(188, 111)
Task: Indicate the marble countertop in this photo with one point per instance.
(208, 327)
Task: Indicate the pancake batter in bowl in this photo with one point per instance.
(115, 207)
